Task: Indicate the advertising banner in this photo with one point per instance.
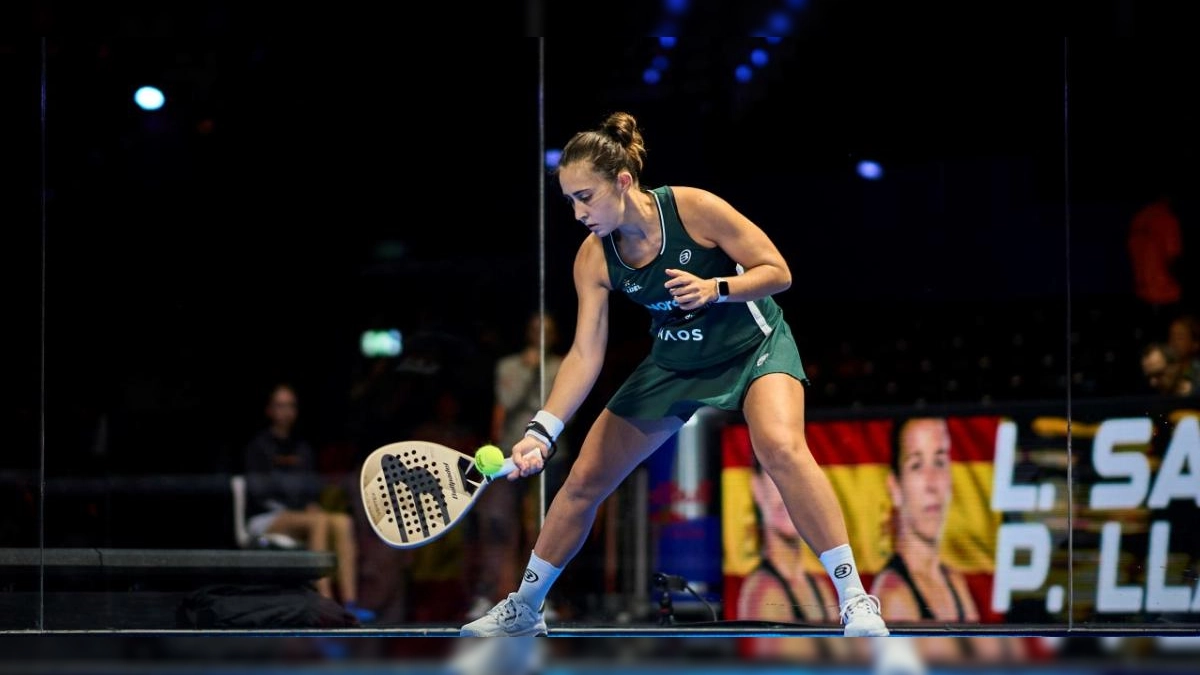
(1020, 517)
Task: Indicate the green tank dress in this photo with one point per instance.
(704, 357)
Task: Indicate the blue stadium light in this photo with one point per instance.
(552, 157)
(797, 5)
(660, 62)
(779, 23)
(676, 6)
(743, 73)
(651, 76)
(774, 39)
(149, 98)
(759, 57)
(666, 42)
(870, 170)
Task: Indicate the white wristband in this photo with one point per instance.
(551, 423)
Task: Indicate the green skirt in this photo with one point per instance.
(654, 392)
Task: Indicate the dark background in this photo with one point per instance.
(165, 268)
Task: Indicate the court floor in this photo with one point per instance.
(108, 654)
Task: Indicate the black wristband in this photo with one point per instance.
(540, 432)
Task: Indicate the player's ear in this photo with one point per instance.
(624, 180)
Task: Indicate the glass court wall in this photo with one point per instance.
(964, 225)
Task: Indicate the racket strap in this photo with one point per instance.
(539, 432)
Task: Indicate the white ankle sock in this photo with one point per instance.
(839, 564)
(539, 577)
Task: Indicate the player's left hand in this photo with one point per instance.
(529, 455)
(689, 290)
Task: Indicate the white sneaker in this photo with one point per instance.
(510, 617)
(860, 615)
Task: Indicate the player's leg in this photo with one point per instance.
(774, 413)
(614, 446)
(612, 449)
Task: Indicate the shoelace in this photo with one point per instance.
(506, 612)
(855, 604)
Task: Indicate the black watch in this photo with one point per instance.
(722, 289)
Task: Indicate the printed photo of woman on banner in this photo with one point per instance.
(918, 495)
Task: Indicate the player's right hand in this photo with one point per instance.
(528, 454)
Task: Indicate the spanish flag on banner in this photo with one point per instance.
(856, 455)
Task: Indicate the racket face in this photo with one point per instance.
(413, 492)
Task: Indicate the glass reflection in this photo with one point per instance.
(261, 227)
(1134, 292)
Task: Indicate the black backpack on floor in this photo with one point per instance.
(261, 606)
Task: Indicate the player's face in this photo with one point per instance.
(595, 200)
(924, 479)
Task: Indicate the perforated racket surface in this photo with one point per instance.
(415, 491)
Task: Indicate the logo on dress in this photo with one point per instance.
(841, 571)
(630, 286)
(532, 577)
(684, 256)
(762, 359)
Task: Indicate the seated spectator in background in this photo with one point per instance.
(917, 585)
(1163, 372)
(1183, 336)
(282, 496)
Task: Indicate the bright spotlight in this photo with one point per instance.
(870, 170)
(148, 98)
(743, 73)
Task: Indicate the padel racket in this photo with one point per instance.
(415, 491)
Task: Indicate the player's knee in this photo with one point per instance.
(781, 451)
(583, 488)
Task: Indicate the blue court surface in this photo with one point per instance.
(566, 669)
(99, 654)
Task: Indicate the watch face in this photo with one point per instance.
(722, 288)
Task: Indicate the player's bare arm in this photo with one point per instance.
(582, 363)
(712, 221)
